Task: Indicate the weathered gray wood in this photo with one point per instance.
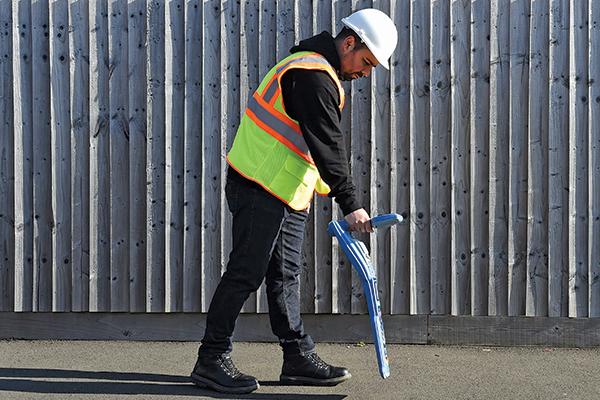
(439, 201)
(400, 153)
(267, 58)
(190, 327)
(518, 117)
(537, 252)
(406, 329)
(285, 25)
(460, 215)
(89, 190)
(514, 331)
(419, 159)
(99, 160)
(136, 58)
(79, 55)
(155, 156)
(119, 154)
(594, 172)
(328, 16)
(558, 178)
(360, 156)
(249, 79)
(499, 130)
(578, 160)
(7, 171)
(174, 120)
(479, 185)
(42, 159)
(211, 152)
(230, 103)
(381, 196)
(62, 257)
(192, 245)
(23, 151)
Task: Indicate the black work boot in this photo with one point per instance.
(309, 369)
(220, 374)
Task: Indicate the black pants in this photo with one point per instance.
(267, 242)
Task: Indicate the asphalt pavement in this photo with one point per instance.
(160, 370)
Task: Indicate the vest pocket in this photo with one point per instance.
(296, 179)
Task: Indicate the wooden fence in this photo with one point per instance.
(485, 135)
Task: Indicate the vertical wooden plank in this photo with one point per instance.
(137, 153)
(42, 159)
(328, 16)
(230, 103)
(578, 161)
(99, 160)
(267, 49)
(380, 170)
(419, 159)
(284, 20)
(7, 172)
(499, 130)
(119, 154)
(249, 78)
(303, 28)
(480, 123)
(460, 246)
(155, 156)
(61, 155)
(440, 153)
(192, 283)
(79, 54)
(360, 156)
(558, 178)
(400, 145)
(594, 175)
(537, 256)
(517, 201)
(23, 145)
(211, 151)
(174, 102)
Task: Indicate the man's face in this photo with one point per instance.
(355, 63)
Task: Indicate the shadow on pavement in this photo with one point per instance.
(174, 385)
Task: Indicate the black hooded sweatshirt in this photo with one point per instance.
(311, 98)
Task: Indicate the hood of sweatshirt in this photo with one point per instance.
(323, 44)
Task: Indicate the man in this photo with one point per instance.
(289, 145)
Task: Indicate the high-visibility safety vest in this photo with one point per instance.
(269, 147)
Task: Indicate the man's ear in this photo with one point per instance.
(349, 43)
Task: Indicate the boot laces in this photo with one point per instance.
(229, 366)
(316, 360)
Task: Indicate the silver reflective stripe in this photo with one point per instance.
(271, 90)
(307, 59)
(278, 126)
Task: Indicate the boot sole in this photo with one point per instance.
(303, 380)
(203, 382)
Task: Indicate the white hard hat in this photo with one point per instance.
(376, 30)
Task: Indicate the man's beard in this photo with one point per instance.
(350, 76)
